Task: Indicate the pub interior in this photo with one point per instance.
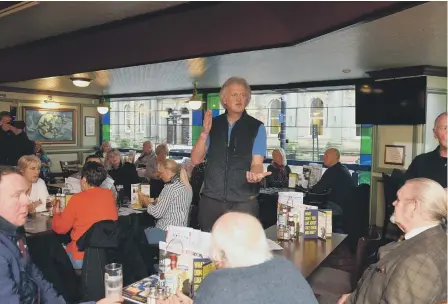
(105, 105)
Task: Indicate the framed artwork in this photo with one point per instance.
(50, 126)
(89, 126)
(394, 155)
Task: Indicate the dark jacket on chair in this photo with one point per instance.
(104, 243)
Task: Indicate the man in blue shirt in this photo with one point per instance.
(235, 144)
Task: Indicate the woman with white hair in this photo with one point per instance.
(29, 166)
(413, 270)
(280, 170)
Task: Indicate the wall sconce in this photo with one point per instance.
(195, 102)
(81, 81)
(102, 108)
(50, 103)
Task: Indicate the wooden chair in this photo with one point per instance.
(366, 254)
(329, 284)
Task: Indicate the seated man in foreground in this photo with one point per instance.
(248, 271)
(20, 280)
(413, 270)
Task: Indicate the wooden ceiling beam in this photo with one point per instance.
(187, 31)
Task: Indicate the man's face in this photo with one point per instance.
(328, 159)
(13, 199)
(147, 148)
(440, 132)
(404, 208)
(235, 98)
(6, 119)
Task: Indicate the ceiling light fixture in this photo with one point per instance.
(49, 103)
(81, 81)
(102, 108)
(346, 71)
(195, 102)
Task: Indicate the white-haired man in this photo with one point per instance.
(20, 280)
(248, 271)
(235, 144)
(433, 165)
(413, 270)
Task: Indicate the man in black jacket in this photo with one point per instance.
(235, 144)
(433, 165)
(336, 178)
(14, 142)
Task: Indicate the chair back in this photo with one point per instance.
(390, 195)
(366, 254)
(71, 165)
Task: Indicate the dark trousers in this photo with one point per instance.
(211, 209)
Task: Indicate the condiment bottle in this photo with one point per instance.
(160, 293)
(173, 259)
(291, 226)
(152, 296)
(297, 224)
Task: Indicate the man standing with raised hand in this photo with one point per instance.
(235, 144)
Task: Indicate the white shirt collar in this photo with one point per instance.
(416, 231)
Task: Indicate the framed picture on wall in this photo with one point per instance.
(394, 155)
(50, 126)
(89, 126)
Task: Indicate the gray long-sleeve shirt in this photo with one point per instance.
(274, 281)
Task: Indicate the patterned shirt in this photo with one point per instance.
(173, 205)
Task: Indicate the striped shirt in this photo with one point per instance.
(173, 205)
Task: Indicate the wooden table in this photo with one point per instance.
(61, 185)
(39, 224)
(306, 254)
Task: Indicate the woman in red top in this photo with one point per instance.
(92, 205)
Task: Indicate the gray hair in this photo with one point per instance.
(282, 152)
(114, 152)
(436, 121)
(238, 240)
(162, 148)
(229, 82)
(432, 197)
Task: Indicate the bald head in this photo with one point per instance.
(238, 240)
(331, 157)
(440, 130)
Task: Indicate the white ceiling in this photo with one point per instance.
(417, 36)
(52, 18)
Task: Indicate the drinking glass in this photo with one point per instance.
(113, 280)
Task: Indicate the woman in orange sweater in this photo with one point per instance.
(92, 205)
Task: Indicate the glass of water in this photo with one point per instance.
(113, 281)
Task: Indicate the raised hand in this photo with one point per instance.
(253, 177)
(207, 125)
